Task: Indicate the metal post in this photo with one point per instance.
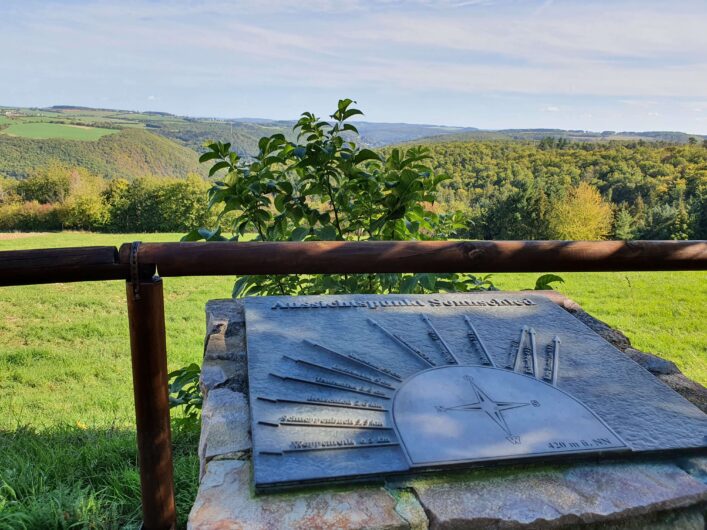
(149, 360)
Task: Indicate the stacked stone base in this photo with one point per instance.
(627, 495)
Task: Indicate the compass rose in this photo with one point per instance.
(493, 409)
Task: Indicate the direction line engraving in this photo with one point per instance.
(342, 371)
(323, 402)
(552, 361)
(405, 344)
(333, 384)
(354, 359)
(447, 352)
(328, 423)
(331, 445)
(533, 354)
(517, 361)
(478, 344)
(356, 446)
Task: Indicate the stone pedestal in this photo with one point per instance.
(655, 495)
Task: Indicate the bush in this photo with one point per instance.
(47, 185)
(324, 187)
(151, 204)
(84, 212)
(29, 216)
(8, 193)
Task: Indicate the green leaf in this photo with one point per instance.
(194, 235)
(344, 104)
(208, 156)
(217, 167)
(409, 284)
(326, 233)
(349, 127)
(366, 154)
(351, 112)
(543, 283)
(299, 233)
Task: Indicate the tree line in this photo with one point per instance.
(60, 197)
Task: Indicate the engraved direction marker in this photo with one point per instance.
(533, 361)
(552, 361)
(328, 422)
(320, 381)
(517, 361)
(357, 360)
(329, 402)
(447, 352)
(342, 371)
(365, 443)
(526, 356)
(478, 344)
(405, 344)
(300, 446)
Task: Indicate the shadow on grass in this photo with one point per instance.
(69, 477)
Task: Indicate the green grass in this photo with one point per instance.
(40, 130)
(67, 446)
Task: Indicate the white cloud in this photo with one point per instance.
(651, 58)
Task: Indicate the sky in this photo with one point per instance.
(493, 64)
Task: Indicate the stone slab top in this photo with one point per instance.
(651, 494)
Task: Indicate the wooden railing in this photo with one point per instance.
(139, 264)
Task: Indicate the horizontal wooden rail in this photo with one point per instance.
(225, 258)
(24, 267)
(57, 265)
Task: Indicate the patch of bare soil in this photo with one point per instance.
(18, 235)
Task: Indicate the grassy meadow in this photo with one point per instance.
(67, 443)
(43, 130)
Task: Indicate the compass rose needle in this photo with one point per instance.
(493, 409)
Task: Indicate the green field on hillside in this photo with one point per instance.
(43, 130)
(67, 449)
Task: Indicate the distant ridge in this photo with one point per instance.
(164, 144)
(247, 130)
(571, 135)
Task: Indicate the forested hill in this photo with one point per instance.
(128, 153)
(513, 189)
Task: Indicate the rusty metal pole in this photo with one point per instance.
(149, 361)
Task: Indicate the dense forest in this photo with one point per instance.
(519, 190)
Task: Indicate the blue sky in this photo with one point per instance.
(592, 65)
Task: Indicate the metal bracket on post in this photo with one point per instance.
(135, 269)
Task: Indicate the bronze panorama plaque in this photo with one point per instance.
(353, 388)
